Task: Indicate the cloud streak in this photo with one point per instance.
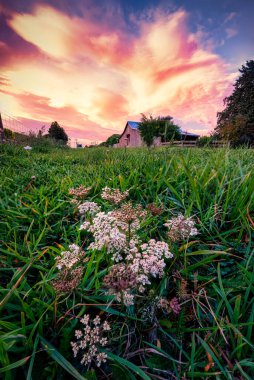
(93, 73)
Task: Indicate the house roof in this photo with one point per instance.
(189, 134)
(133, 124)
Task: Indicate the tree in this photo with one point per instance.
(163, 127)
(112, 140)
(2, 135)
(9, 135)
(57, 133)
(236, 121)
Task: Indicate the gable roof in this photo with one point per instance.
(188, 134)
(133, 124)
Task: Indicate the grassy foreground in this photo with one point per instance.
(211, 274)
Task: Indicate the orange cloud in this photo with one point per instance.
(110, 105)
(73, 121)
(94, 73)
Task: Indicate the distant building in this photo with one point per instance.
(188, 136)
(131, 136)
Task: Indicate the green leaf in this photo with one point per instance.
(51, 350)
(17, 364)
(126, 363)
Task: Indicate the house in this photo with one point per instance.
(187, 136)
(131, 136)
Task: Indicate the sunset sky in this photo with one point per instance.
(93, 65)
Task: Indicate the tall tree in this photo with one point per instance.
(58, 133)
(163, 127)
(236, 121)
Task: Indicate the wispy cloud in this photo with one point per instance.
(230, 17)
(231, 32)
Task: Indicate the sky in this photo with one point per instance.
(93, 65)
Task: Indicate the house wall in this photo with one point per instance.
(133, 140)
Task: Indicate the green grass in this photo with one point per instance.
(211, 338)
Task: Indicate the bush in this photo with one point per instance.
(205, 141)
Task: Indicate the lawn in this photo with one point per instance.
(188, 315)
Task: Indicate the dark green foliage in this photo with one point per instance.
(236, 121)
(2, 131)
(205, 141)
(114, 139)
(9, 135)
(162, 127)
(57, 133)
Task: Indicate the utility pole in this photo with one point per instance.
(2, 135)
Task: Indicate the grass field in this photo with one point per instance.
(208, 335)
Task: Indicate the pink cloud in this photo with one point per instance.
(94, 72)
(75, 123)
(110, 105)
(163, 75)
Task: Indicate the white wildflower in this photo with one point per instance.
(181, 228)
(68, 259)
(101, 358)
(107, 233)
(106, 326)
(85, 225)
(89, 341)
(85, 319)
(90, 207)
(114, 195)
(97, 320)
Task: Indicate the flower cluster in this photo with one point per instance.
(149, 261)
(169, 306)
(120, 277)
(117, 232)
(68, 259)
(181, 228)
(120, 281)
(114, 196)
(90, 339)
(68, 280)
(154, 209)
(136, 268)
(70, 273)
(80, 192)
(90, 207)
(108, 233)
(129, 214)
